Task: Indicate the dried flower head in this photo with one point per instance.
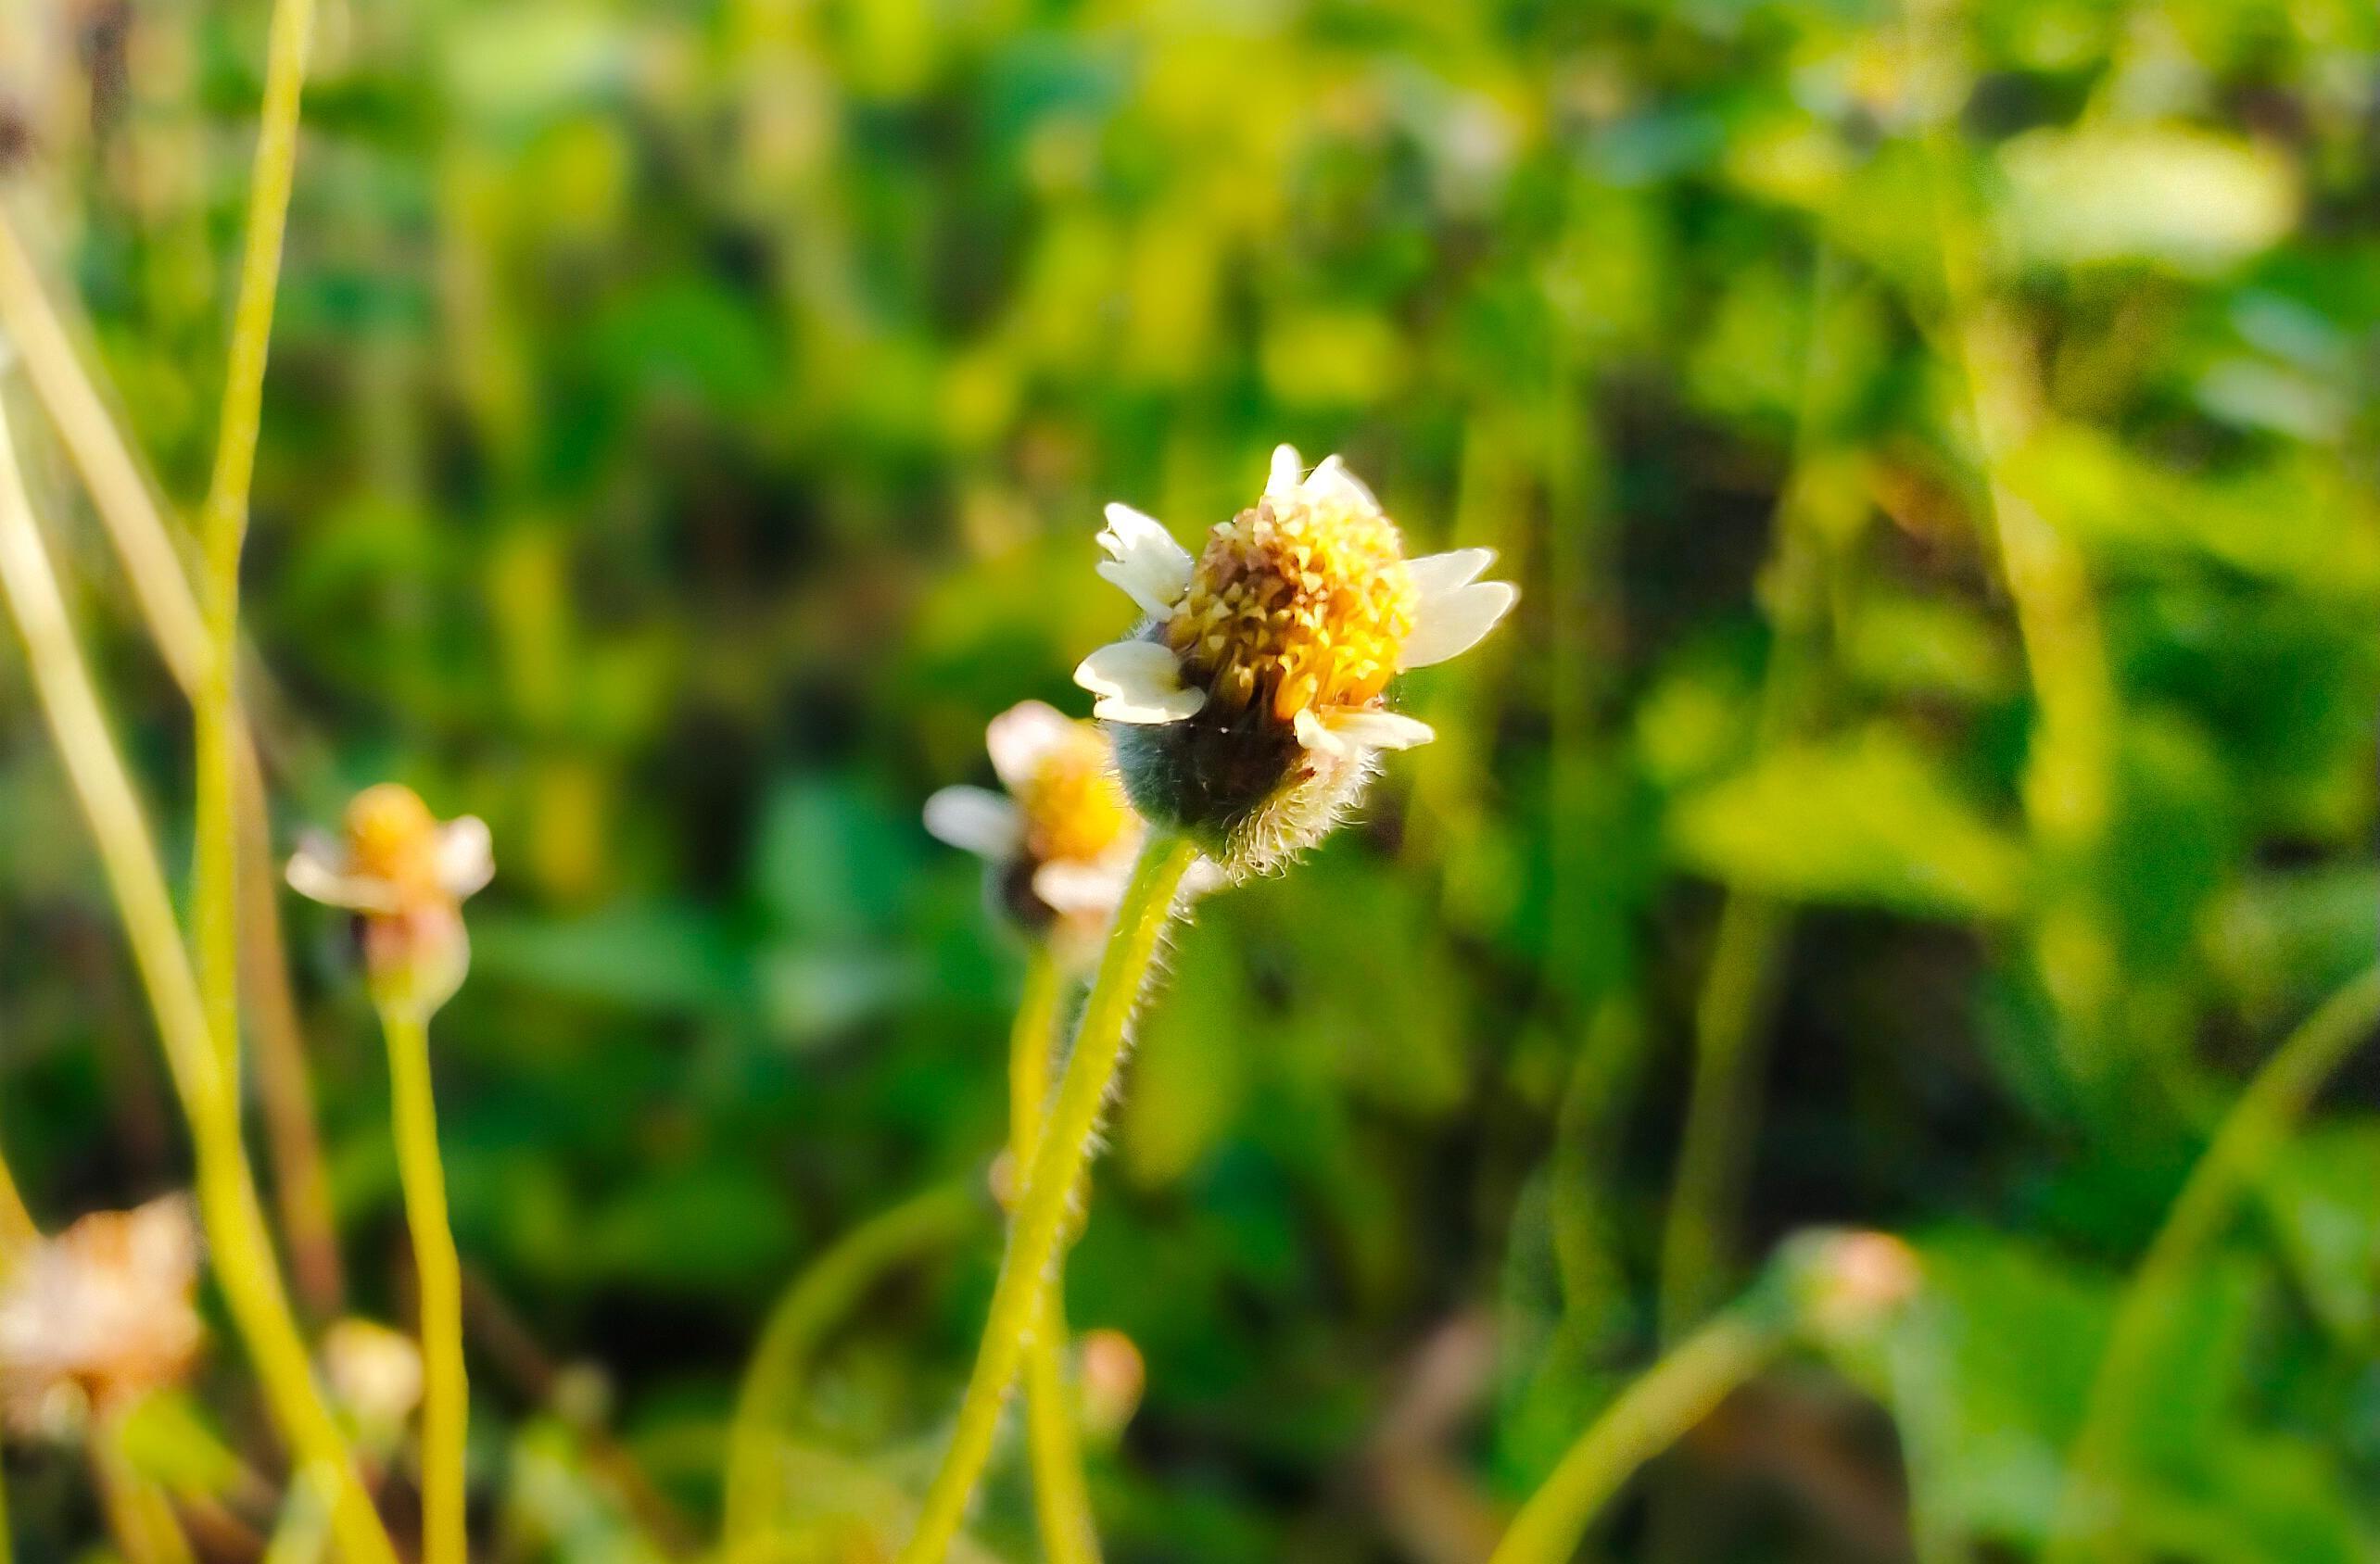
(99, 1316)
(405, 873)
(1248, 707)
(1060, 841)
(375, 1373)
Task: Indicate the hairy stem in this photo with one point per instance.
(2256, 1126)
(1649, 1416)
(1060, 1153)
(445, 1391)
(1053, 1443)
(240, 1247)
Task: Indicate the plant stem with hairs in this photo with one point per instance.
(1053, 1443)
(1044, 1202)
(241, 1248)
(2256, 1126)
(444, 1389)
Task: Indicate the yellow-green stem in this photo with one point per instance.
(822, 1294)
(1649, 1416)
(222, 527)
(16, 1226)
(1060, 1152)
(139, 1515)
(237, 1242)
(146, 546)
(2257, 1124)
(1053, 1443)
(444, 1392)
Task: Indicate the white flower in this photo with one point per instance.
(407, 875)
(1062, 830)
(1279, 639)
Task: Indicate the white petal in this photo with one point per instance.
(1312, 734)
(1287, 473)
(1377, 730)
(1143, 559)
(1069, 886)
(1451, 622)
(1138, 682)
(1436, 575)
(975, 819)
(318, 872)
(466, 856)
(1332, 481)
(1020, 737)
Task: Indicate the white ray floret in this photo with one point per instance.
(1019, 738)
(466, 857)
(1138, 682)
(1452, 622)
(1143, 559)
(976, 820)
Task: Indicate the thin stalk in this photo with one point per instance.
(1731, 1016)
(8, 1542)
(223, 529)
(1648, 1418)
(1059, 1157)
(445, 1391)
(2256, 1125)
(147, 548)
(825, 1293)
(241, 1249)
(1053, 1443)
(140, 1517)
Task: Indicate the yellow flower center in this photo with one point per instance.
(1297, 604)
(1072, 805)
(392, 837)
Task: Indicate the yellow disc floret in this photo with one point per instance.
(1072, 806)
(1301, 602)
(393, 838)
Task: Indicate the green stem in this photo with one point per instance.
(2256, 1126)
(16, 1226)
(237, 1242)
(444, 1392)
(825, 1293)
(223, 528)
(1060, 1155)
(1053, 1443)
(1649, 1416)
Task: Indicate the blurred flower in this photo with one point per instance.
(1247, 707)
(1846, 1284)
(1113, 1375)
(406, 875)
(374, 1372)
(99, 1316)
(1060, 841)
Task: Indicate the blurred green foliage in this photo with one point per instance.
(687, 425)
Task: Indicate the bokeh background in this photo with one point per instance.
(1936, 449)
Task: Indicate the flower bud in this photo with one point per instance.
(405, 875)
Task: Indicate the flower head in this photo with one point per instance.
(375, 1373)
(1848, 1283)
(99, 1316)
(406, 875)
(1060, 839)
(1249, 706)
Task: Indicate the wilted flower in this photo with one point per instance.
(406, 875)
(99, 1316)
(375, 1373)
(1247, 707)
(1061, 839)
